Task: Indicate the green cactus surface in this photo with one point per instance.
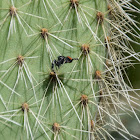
(61, 69)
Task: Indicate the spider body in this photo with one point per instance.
(62, 60)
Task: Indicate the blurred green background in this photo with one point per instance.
(134, 73)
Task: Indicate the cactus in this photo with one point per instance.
(61, 68)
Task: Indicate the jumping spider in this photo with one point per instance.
(62, 60)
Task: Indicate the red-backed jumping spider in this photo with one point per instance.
(62, 60)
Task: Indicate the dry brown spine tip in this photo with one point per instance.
(13, 11)
(24, 107)
(110, 9)
(108, 38)
(74, 3)
(56, 127)
(44, 32)
(101, 93)
(85, 49)
(108, 63)
(100, 17)
(92, 124)
(84, 99)
(20, 60)
(98, 74)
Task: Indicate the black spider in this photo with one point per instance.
(62, 60)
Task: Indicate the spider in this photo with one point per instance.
(62, 60)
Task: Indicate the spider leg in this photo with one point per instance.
(75, 59)
(54, 62)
